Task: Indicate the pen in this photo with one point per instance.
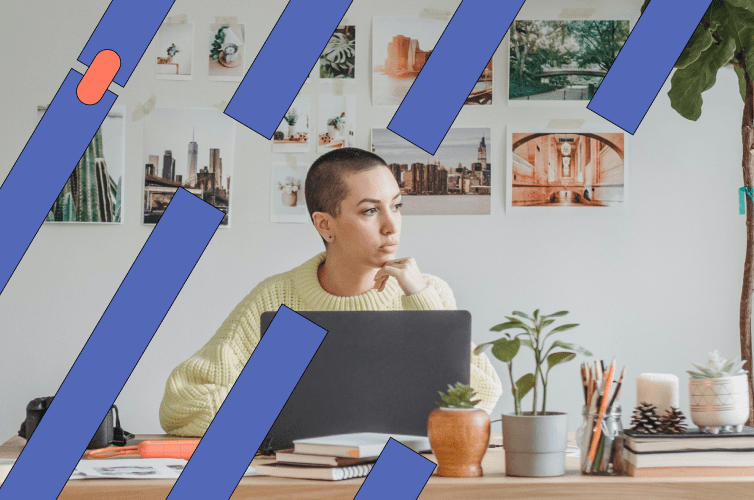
(617, 388)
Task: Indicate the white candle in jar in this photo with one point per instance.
(659, 389)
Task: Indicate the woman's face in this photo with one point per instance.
(369, 225)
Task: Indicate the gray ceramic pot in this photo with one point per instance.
(535, 445)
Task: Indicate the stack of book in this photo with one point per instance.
(333, 458)
(692, 453)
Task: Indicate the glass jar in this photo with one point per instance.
(607, 458)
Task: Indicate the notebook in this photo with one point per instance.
(290, 457)
(357, 445)
(692, 440)
(308, 472)
(691, 459)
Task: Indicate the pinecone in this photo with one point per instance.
(645, 420)
(672, 422)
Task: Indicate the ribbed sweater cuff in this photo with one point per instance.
(426, 300)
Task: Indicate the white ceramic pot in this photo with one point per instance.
(291, 128)
(719, 403)
(331, 130)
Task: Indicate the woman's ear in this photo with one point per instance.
(322, 222)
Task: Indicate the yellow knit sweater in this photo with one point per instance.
(197, 387)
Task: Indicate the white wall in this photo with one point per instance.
(657, 287)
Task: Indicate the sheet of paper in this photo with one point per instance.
(134, 468)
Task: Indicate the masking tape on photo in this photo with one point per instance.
(565, 123)
(226, 20)
(441, 15)
(144, 110)
(337, 86)
(181, 18)
(291, 161)
(221, 105)
(577, 13)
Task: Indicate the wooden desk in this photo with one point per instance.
(494, 485)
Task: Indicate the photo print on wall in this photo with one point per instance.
(455, 181)
(566, 171)
(190, 148)
(292, 135)
(226, 52)
(94, 191)
(175, 51)
(561, 61)
(287, 201)
(338, 59)
(400, 47)
(336, 122)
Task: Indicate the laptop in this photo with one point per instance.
(375, 371)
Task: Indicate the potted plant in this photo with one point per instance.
(458, 433)
(291, 117)
(535, 441)
(335, 124)
(172, 50)
(217, 43)
(719, 394)
(290, 190)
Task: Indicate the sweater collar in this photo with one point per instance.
(319, 299)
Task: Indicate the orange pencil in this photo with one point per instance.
(603, 408)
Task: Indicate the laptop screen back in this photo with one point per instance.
(375, 371)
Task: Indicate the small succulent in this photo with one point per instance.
(458, 396)
(717, 367)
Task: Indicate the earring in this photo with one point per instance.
(329, 237)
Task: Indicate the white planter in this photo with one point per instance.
(290, 130)
(331, 131)
(719, 403)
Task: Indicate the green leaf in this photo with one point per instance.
(557, 358)
(741, 82)
(572, 347)
(506, 326)
(528, 343)
(737, 23)
(546, 323)
(524, 385)
(700, 41)
(519, 313)
(506, 350)
(687, 84)
(536, 314)
(555, 315)
(744, 4)
(561, 328)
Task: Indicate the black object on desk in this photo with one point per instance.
(376, 371)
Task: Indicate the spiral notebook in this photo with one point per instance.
(309, 472)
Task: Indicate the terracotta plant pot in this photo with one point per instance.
(719, 403)
(459, 438)
(290, 200)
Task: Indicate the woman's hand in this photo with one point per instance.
(405, 271)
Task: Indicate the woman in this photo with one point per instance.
(354, 203)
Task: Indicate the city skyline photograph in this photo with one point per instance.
(455, 181)
(201, 159)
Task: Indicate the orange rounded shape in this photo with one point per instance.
(97, 78)
(459, 440)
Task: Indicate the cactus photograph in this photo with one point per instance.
(93, 192)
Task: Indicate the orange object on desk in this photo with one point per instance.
(183, 448)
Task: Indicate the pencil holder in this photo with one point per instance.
(607, 457)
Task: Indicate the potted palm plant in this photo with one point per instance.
(458, 433)
(535, 441)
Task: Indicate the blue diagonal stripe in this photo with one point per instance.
(113, 349)
(645, 61)
(399, 474)
(250, 409)
(272, 83)
(44, 166)
(127, 27)
(451, 71)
